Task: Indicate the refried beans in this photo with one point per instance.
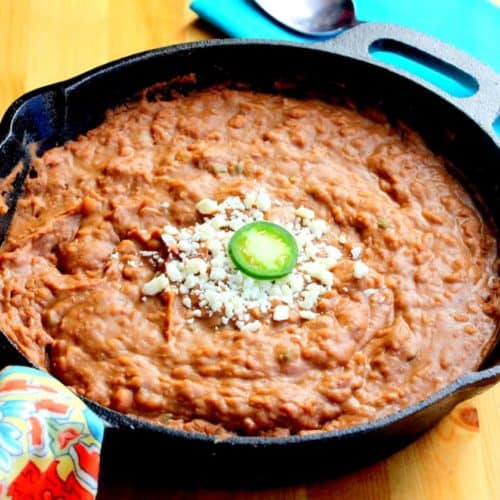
(420, 308)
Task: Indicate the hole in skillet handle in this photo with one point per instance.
(447, 77)
(496, 126)
(467, 84)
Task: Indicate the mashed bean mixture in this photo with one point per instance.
(80, 249)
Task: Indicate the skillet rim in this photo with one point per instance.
(472, 382)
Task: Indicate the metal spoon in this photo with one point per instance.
(310, 17)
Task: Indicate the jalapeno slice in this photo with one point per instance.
(263, 250)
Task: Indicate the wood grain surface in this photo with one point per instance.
(43, 41)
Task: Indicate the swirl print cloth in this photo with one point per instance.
(50, 442)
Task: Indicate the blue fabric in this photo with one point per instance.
(470, 25)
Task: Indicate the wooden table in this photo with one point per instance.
(43, 41)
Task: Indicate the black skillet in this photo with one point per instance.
(458, 128)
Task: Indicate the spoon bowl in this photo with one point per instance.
(318, 18)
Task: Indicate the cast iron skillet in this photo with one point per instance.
(459, 128)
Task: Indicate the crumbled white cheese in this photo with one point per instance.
(309, 299)
(263, 201)
(318, 271)
(217, 274)
(360, 270)
(168, 239)
(148, 253)
(342, 239)
(206, 232)
(356, 252)
(307, 314)
(214, 246)
(281, 313)
(251, 327)
(156, 285)
(257, 215)
(250, 199)
(333, 253)
(369, 292)
(218, 221)
(207, 206)
(296, 282)
(191, 281)
(310, 249)
(173, 271)
(304, 213)
(172, 230)
(214, 300)
(185, 245)
(318, 227)
(233, 203)
(195, 266)
(236, 223)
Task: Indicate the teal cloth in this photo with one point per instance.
(470, 25)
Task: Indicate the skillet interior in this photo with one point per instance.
(55, 114)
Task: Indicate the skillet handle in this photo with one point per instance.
(483, 106)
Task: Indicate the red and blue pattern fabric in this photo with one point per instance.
(50, 442)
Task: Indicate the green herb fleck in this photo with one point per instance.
(284, 356)
(383, 223)
(219, 169)
(239, 169)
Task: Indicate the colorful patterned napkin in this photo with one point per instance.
(50, 442)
